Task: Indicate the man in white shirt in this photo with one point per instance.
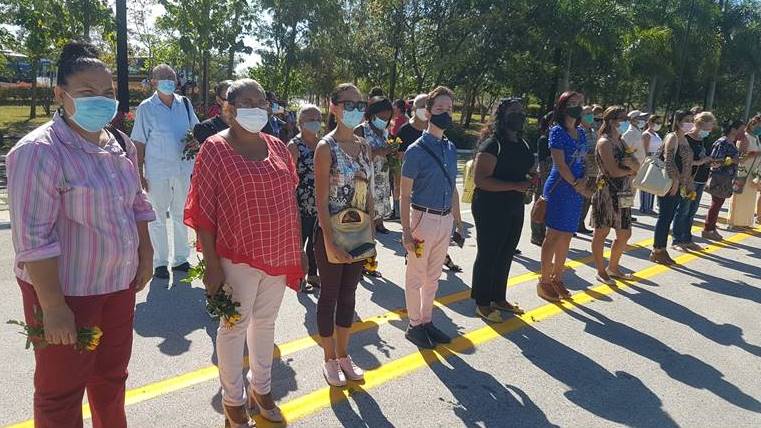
(633, 136)
(161, 123)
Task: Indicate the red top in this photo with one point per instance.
(399, 121)
(214, 111)
(249, 205)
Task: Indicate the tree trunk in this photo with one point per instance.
(651, 94)
(565, 83)
(289, 62)
(749, 97)
(205, 81)
(33, 107)
(392, 79)
(711, 94)
(231, 62)
(86, 22)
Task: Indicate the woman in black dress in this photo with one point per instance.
(503, 176)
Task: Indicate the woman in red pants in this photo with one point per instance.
(80, 230)
(723, 173)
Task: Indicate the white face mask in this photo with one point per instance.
(251, 119)
(420, 113)
(656, 127)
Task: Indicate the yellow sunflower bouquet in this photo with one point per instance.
(88, 338)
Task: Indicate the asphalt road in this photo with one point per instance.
(676, 347)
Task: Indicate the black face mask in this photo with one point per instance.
(574, 112)
(515, 121)
(442, 120)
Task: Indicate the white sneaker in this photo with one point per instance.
(351, 370)
(333, 374)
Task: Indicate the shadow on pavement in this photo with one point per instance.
(723, 334)
(684, 368)
(172, 313)
(592, 387)
(480, 400)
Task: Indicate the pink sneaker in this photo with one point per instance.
(333, 374)
(350, 369)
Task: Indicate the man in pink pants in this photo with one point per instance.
(430, 207)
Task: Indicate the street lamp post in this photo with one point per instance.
(122, 71)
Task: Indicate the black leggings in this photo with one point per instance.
(499, 222)
(307, 237)
(338, 285)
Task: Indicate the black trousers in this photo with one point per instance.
(307, 237)
(499, 221)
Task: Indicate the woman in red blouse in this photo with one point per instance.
(242, 206)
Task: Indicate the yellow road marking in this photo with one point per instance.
(305, 405)
(176, 383)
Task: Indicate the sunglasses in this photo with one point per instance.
(353, 105)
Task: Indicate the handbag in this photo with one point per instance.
(539, 209)
(652, 177)
(352, 232)
(469, 187)
(720, 186)
(738, 184)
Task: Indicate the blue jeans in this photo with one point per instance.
(667, 207)
(646, 202)
(685, 215)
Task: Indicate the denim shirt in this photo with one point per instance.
(430, 187)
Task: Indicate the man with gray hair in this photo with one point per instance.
(161, 123)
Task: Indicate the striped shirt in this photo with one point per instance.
(78, 202)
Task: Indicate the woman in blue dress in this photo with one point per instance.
(563, 192)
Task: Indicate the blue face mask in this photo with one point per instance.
(588, 118)
(312, 127)
(379, 123)
(275, 107)
(352, 118)
(93, 113)
(622, 127)
(166, 87)
(703, 133)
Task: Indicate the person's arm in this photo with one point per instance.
(405, 199)
(294, 151)
(144, 214)
(484, 167)
(609, 163)
(322, 163)
(669, 156)
(558, 158)
(410, 167)
(459, 226)
(34, 204)
(139, 137)
(646, 142)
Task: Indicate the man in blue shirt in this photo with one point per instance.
(161, 123)
(430, 206)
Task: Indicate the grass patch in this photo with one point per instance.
(15, 123)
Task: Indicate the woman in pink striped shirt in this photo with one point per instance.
(80, 231)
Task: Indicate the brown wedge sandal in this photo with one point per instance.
(560, 289)
(546, 291)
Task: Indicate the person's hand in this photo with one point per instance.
(521, 186)
(408, 242)
(144, 270)
(58, 323)
(580, 185)
(213, 278)
(674, 189)
(339, 253)
(144, 182)
(459, 227)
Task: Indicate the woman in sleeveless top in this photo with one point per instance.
(677, 155)
(611, 202)
(343, 173)
(741, 210)
(651, 142)
(302, 148)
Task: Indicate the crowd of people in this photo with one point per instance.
(275, 206)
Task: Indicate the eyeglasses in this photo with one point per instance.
(353, 105)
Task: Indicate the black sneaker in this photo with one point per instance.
(182, 267)
(419, 336)
(435, 334)
(161, 272)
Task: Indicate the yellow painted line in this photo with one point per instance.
(175, 383)
(313, 402)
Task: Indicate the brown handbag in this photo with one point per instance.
(539, 209)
